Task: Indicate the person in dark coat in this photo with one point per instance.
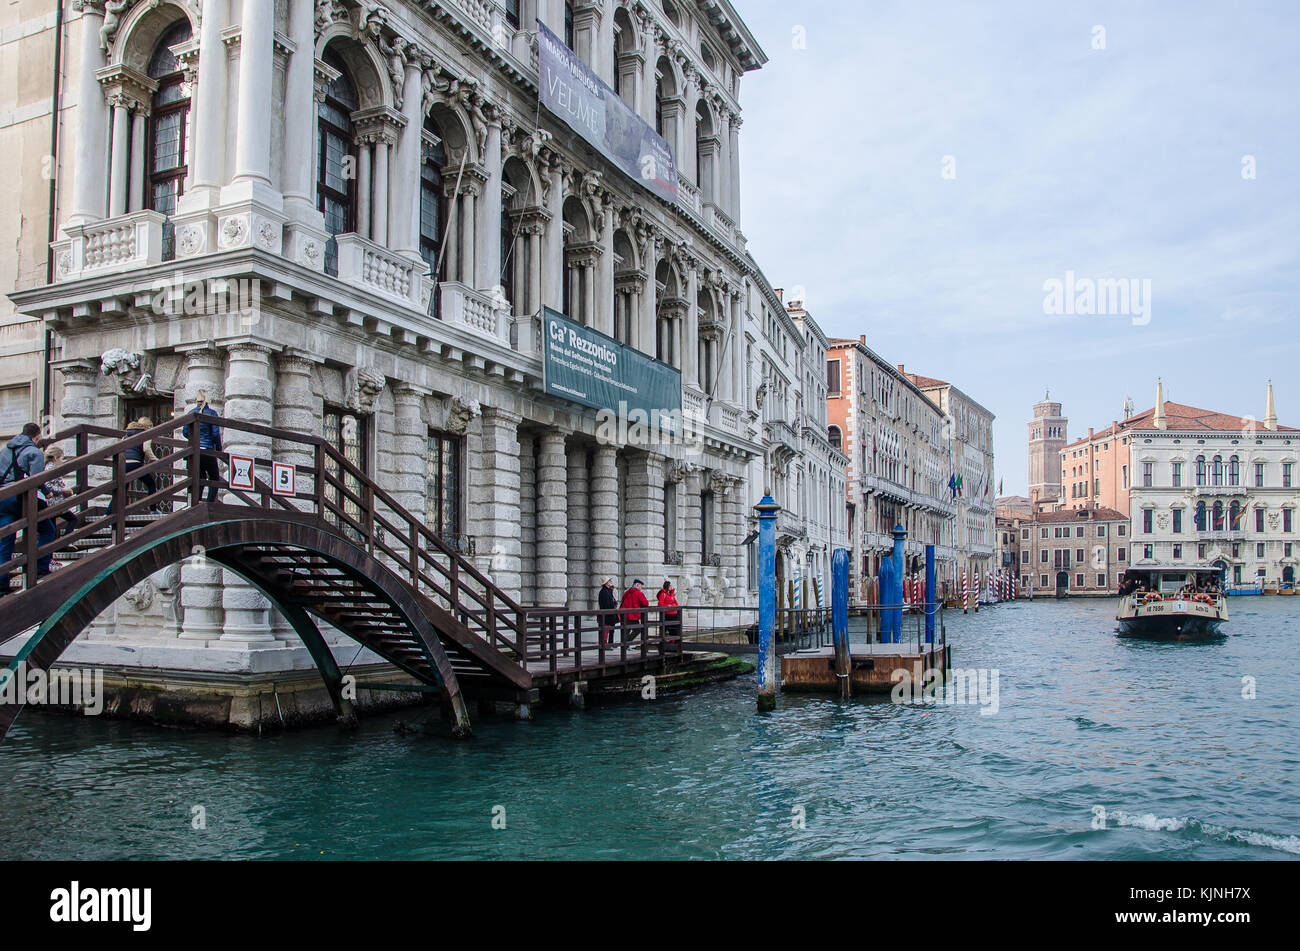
(607, 600)
(20, 459)
(633, 600)
(209, 444)
(136, 457)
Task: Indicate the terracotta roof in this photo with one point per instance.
(925, 381)
(1181, 418)
(1081, 515)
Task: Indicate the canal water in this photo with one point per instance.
(1098, 749)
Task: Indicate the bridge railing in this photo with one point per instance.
(109, 507)
(589, 640)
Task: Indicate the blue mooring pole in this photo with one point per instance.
(840, 618)
(766, 509)
(896, 585)
(929, 594)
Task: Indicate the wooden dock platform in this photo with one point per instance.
(873, 666)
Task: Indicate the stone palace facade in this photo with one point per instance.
(344, 218)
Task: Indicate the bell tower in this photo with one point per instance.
(1047, 437)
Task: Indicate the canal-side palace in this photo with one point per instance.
(1193, 487)
(354, 220)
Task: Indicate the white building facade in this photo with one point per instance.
(384, 179)
(1219, 491)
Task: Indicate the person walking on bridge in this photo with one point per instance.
(20, 459)
(633, 600)
(209, 445)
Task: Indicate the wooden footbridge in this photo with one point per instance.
(340, 550)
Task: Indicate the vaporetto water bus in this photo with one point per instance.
(1172, 603)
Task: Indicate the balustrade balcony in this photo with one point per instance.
(109, 246)
(397, 277)
(477, 312)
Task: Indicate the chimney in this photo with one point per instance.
(780, 293)
(862, 338)
(1159, 421)
(901, 370)
(1270, 411)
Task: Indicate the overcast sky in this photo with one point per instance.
(1124, 162)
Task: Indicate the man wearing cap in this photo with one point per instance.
(607, 600)
(633, 599)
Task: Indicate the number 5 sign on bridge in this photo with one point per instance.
(284, 478)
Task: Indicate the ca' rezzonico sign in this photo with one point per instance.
(570, 90)
(588, 367)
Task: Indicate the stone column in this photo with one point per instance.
(89, 186)
(494, 494)
(687, 153)
(722, 161)
(691, 542)
(256, 75)
(468, 227)
(737, 343)
(297, 410)
(298, 157)
(118, 172)
(135, 198)
(733, 156)
(379, 197)
(578, 524)
(363, 185)
(488, 227)
(605, 561)
(690, 353)
(647, 88)
(553, 245)
(411, 445)
(644, 514)
(404, 217)
(604, 313)
(210, 99)
(248, 399)
(201, 591)
(527, 520)
(552, 520)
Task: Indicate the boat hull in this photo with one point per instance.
(1171, 627)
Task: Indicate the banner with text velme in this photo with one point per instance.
(585, 366)
(569, 89)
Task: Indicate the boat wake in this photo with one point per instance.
(1154, 823)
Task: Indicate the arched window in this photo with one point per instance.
(1234, 514)
(833, 434)
(168, 131)
(336, 159)
(432, 204)
(1234, 471)
(1200, 516)
(1218, 470)
(1218, 517)
(625, 63)
(1200, 470)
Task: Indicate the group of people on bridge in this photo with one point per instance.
(629, 613)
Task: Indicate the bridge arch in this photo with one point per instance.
(237, 541)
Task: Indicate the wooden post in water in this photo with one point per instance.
(840, 618)
(766, 509)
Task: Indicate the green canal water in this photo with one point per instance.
(1159, 736)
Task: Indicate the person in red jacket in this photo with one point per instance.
(633, 598)
(671, 620)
